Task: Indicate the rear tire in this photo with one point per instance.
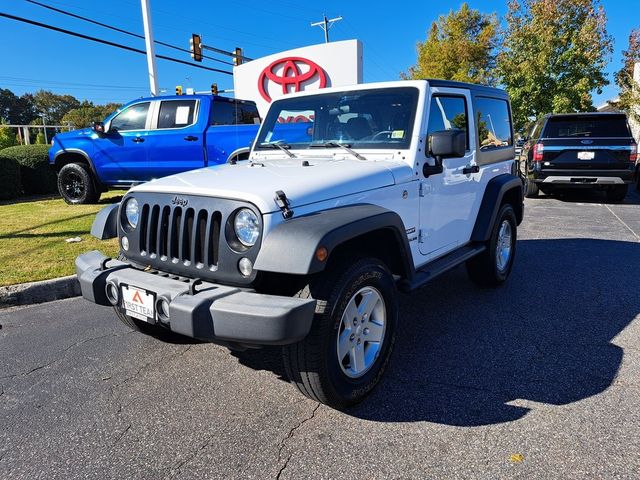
(492, 267)
(345, 354)
(76, 184)
(617, 193)
(532, 189)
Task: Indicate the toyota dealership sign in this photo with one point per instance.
(309, 68)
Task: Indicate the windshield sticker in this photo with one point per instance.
(397, 134)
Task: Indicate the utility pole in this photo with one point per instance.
(325, 25)
(148, 40)
(44, 127)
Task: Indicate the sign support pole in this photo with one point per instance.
(151, 54)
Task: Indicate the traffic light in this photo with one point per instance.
(214, 88)
(194, 46)
(178, 89)
(237, 56)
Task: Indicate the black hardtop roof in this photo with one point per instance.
(583, 114)
(483, 89)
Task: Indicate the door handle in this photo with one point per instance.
(190, 138)
(138, 140)
(470, 169)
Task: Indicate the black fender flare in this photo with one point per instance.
(291, 246)
(497, 188)
(82, 153)
(105, 225)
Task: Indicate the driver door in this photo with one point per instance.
(120, 155)
(447, 199)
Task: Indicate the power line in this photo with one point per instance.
(120, 30)
(326, 24)
(107, 42)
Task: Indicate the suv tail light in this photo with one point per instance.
(538, 151)
(633, 154)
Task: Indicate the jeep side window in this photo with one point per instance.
(493, 123)
(448, 113)
(176, 113)
(133, 117)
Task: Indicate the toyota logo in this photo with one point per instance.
(291, 76)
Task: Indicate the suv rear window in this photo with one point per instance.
(586, 126)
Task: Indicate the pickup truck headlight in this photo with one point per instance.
(132, 212)
(247, 227)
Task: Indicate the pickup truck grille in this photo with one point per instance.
(180, 235)
(189, 236)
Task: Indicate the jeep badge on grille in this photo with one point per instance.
(176, 200)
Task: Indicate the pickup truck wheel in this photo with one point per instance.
(76, 185)
(531, 189)
(492, 267)
(617, 193)
(344, 355)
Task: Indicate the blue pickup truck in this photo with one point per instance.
(151, 138)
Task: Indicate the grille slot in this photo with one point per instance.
(176, 235)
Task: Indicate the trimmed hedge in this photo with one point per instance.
(9, 178)
(36, 174)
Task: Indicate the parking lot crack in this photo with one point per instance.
(284, 441)
(59, 356)
(122, 434)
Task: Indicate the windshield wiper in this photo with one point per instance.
(345, 147)
(279, 144)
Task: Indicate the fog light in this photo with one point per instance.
(245, 266)
(113, 294)
(162, 307)
(125, 243)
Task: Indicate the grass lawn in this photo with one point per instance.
(33, 234)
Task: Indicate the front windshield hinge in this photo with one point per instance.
(283, 204)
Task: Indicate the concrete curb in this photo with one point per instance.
(39, 292)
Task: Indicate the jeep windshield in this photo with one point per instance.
(376, 118)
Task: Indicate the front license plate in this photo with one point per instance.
(586, 155)
(138, 303)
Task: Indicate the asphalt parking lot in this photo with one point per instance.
(538, 379)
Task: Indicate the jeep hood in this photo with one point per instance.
(257, 182)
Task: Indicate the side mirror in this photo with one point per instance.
(98, 127)
(444, 144)
(447, 144)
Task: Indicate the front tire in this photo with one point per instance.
(354, 328)
(492, 267)
(76, 185)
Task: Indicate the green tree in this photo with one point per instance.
(7, 137)
(14, 109)
(459, 46)
(629, 100)
(554, 56)
(87, 113)
(53, 106)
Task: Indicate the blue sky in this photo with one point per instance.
(33, 58)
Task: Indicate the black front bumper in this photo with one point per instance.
(208, 311)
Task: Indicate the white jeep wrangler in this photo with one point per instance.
(349, 195)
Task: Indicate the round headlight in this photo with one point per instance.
(132, 212)
(247, 227)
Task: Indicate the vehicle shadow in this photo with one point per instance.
(577, 195)
(466, 356)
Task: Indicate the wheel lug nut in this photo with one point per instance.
(366, 331)
(359, 341)
(352, 337)
(355, 321)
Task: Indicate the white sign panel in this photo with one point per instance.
(309, 68)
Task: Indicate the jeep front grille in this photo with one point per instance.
(174, 234)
